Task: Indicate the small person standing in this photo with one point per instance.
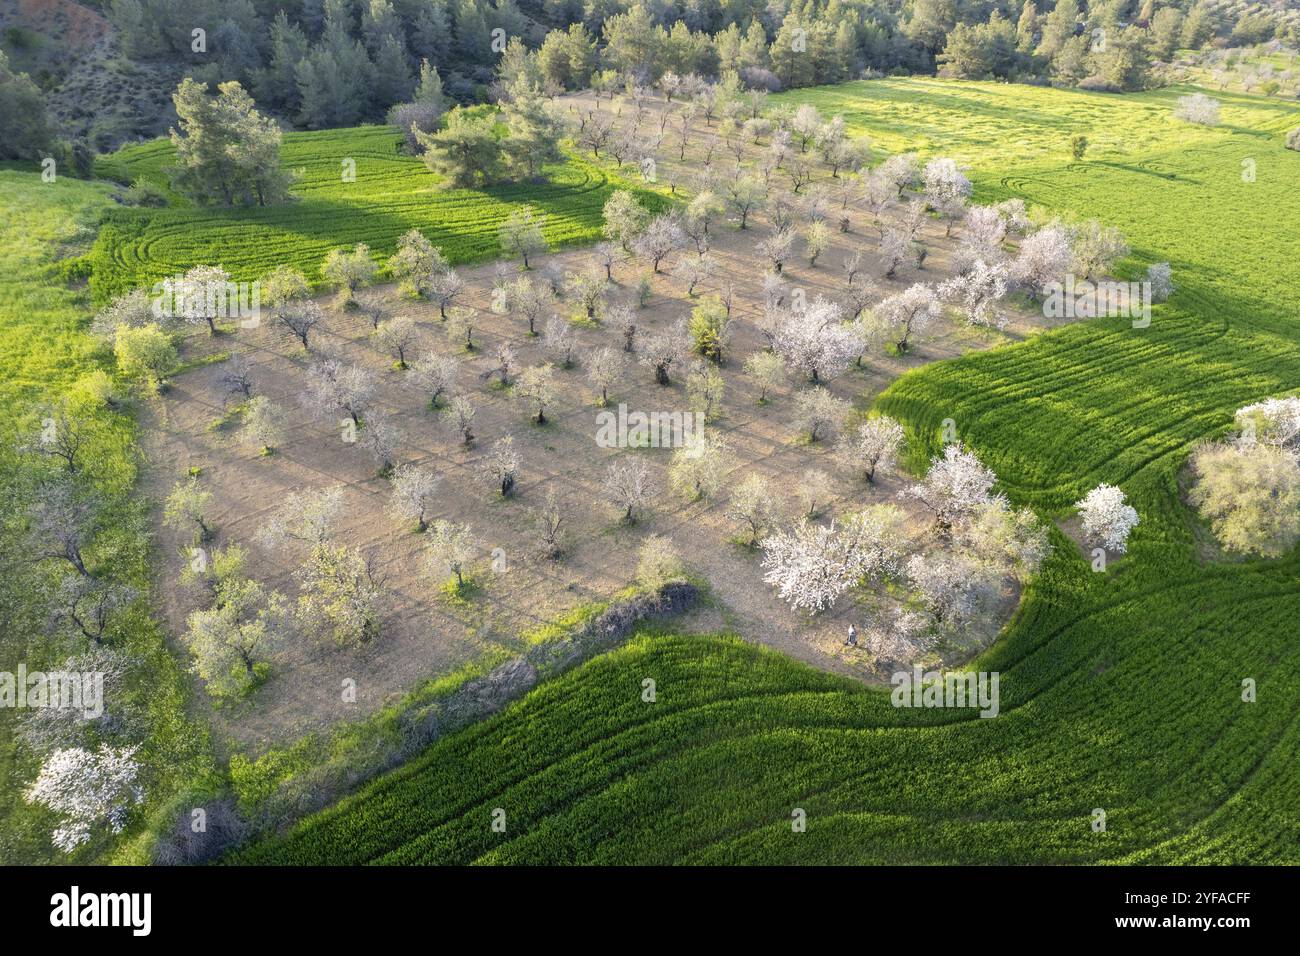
(853, 637)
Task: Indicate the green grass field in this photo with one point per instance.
(391, 194)
(1120, 691)
(44, 349)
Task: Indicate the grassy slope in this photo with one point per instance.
(43, 350)
(392, 193)
(1119, 691)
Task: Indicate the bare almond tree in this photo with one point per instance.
(559, 341)
(462, 413)
(397, 337)
(501, 465)
(298, 318)
(62, 435)
(661, 350)
(436, 375)
(605, 367)
(629, 487)
(550, 519)
(413, 494)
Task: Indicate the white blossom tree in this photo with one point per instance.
(977, 292)
(661, 238)
(334, 388)
(982, 238)
(955, 486)
(559, 341)
(1044, 258)
(461, 412)
(1108, 518)
(501, 465)
(306, 516)
(661, 350)
(909, 314)
(397, 336)
(817, 342)
(89, 789)
(605, 368)
(777, 249)
(298, 319)
(1197, 108)
(902, 171)
(1274, 421)
(953, 586)
(947, 189)
(811, 566)
(872, 448)
(380, 438)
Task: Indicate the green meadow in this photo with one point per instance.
(46, 230)
(1121, 691)
(354, 186)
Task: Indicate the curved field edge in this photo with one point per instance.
(391, 194)
(1121, 691)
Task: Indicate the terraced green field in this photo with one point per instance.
(1120, 691)
(391, 194)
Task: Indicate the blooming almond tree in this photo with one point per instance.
(89, 788)
(1044, 258)
(946, 189)
(873, 447)
(811, 565)
(977, 293)
(1107, 517)
(661, 350)
(819, 414)
(953, 586)
(306, 516)
(909, 314)
(436, 375)
(1197, 108)
(817, 342)
(605, 368)
(955, 486)
(660, 239)
(1274, 421)
(536, 389)
(501, 466)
